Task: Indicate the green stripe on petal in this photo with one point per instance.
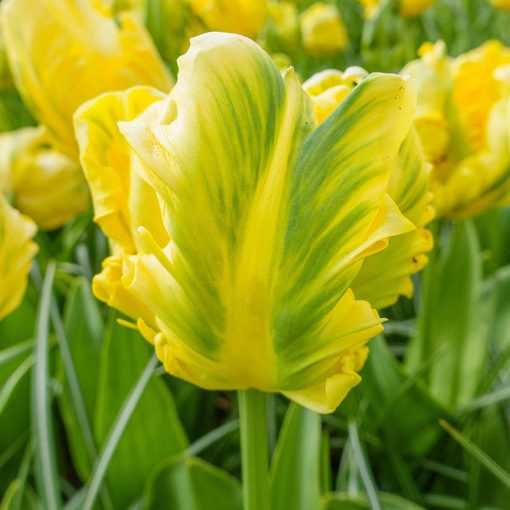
(269, 220)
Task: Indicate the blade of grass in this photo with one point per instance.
(22, 477)
(13, 352)
(42, 425)
(76, 394)
(11, 383)
(363, 467)
(486, 400)
(125, 413)
(212, 437)
(478, 453)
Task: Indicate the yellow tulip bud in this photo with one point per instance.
(322, 29)
(47, 185)
(501, 4)
(462, 120)
(246, 17)
(407, 8)
(410, 8)
(16, 252)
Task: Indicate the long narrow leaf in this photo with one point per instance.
(479, 454)
(42, 426)
(363, 467)
(115, 434)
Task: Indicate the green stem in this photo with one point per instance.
(254, 449)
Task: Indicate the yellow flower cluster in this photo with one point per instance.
(462, 120)
(407, 8)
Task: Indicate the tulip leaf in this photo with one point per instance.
(390, 390)
(192, 484)
(295, 471)
(154, 432)
(82, 334)
(42, 421)
(451, 318)
(341, 501)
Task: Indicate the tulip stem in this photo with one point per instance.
(254, 449)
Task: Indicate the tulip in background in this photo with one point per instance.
(462, 120)
(501, 4)
(322, 29)
(16, 252)
(92, 54)
(407, 8)
(246, 17)
(408, 186)
(46, 185)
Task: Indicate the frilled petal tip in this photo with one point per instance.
(326, 397)
(107, 287)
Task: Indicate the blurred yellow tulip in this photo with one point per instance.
(16, 252)
(46, 185)
(64, 53)
(407, 8)
(322, 30)
(463, 119)
(501, 4)
(408, 186)
(246, 17)
(241, 225)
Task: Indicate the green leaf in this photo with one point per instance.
(154, 432)
(192, 484)
(451, 319)
(18, 490)
(295, 471)
(363, 466)
(390, 390)
(341, 501)
(81, 338)
(477, 453)
(42, 425)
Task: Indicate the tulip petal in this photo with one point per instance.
(405, 254)
(108, 165)
(269, 220)
(16, 252)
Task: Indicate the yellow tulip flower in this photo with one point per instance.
(264, 219)
(408, 186)
(462, 119)
(16, 252)
(282, 31)
(246, 17)
(322, 30)
(47, 185)
(407, 8)
(64, 53)
(501, 4)
(410, 8)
